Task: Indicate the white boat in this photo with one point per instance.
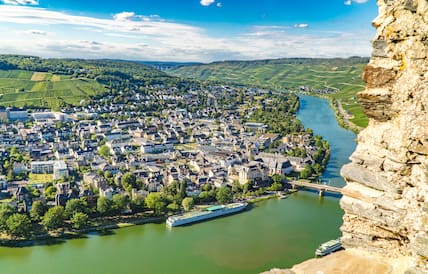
(328, 247)
(208, 213)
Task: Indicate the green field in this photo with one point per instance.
(341, 75)
(26, 88)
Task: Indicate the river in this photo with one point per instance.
(275, 233)
(317, 114)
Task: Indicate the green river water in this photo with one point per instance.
(274, 233)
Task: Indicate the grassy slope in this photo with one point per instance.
(17, 89)
(34, 81)
(340, 74)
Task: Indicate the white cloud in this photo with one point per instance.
(301, 26)
(207, 2)
(20, 2)
(219, 5)
(151, 38)
(124, 16)
(349, 2)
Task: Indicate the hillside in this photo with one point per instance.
(35, 82)
(337, 78)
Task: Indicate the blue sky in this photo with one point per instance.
(187, 30)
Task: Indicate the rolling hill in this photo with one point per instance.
(339, 75)
(35, 82)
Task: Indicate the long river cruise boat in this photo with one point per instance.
(207, 213)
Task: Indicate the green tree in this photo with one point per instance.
(276, 178)
(79, 220)
(119, 202)
(129, 181)
(173, 206)
(75, 205)
(38, 209)
(188, 203)
(137, 204)
(306, 172)
(182, 191)
(104, 205)
(5, 212)
(19, 225)
(50, 192)
(224, 195)
(54, 218)
(104, 151)
(276, 186)
(236, 186)
(156, 201)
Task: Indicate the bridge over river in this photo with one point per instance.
(320, 187)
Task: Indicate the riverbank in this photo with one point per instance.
(100, 224)
(342, 116)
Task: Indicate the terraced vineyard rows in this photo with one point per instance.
(26, 88)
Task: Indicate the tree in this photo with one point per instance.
(75, 205)
(50, 192)
(104, 151)
(182, 191)
(19, 225)
(188, 203)
(38, 209)
(104, 205)
(276, 178)
(173, 206)
(54, 218)
(79, 220)
(5, 212)
(276, 186)
(137, 204)
(119, 202)
(224, 195)
(129, 181)
(156, 201)
(306, 172)
(236, 186)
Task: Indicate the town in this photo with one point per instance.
(158, 148)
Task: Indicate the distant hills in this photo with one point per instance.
(322, 76)
(29, 81)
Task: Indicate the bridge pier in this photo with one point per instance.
(321, 193)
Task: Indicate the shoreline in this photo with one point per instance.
(338, 112)
(61, 235)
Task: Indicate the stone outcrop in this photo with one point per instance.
(386, 196)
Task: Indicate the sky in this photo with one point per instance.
(187, 30)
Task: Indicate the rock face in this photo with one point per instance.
(386, 197)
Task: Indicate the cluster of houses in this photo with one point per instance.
(177, 145)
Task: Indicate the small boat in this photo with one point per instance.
(328, 247)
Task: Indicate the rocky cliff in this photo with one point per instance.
(386, 196)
